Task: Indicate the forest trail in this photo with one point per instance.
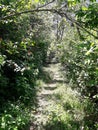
(56, 101)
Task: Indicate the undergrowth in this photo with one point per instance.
(66, 112)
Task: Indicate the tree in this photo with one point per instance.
(23, 49)
(79, 56)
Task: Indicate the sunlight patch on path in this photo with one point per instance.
(59, 107)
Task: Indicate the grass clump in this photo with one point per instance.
(15, 116)
(66, 112)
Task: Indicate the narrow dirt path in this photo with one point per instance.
(45, 92)
(51, 99)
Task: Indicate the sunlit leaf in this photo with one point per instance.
(84, 8)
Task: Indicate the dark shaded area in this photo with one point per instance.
(58, 81)
(59, 125)
(45, 76)
(50, 88)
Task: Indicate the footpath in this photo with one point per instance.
(58, 106)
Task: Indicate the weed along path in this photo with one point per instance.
(58, 107)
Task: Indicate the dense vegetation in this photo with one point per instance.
(23, 50)
(26, 31)
(79, 53)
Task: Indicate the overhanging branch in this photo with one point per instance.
(58, 11)
(46, 4)
(25, 12)
(64, 14)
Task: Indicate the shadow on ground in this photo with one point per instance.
(58, 107)
(60, 125)
(45, 76)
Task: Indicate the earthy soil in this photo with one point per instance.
(44, 95)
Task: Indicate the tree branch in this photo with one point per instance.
(46, 4)
(58, 11)
(24, 12)
(64, 14)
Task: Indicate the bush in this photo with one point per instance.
(80, 62)
(14, 117)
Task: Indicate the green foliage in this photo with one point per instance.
(88, 15)
(78, 54)
(2, 57)
(15, 117)
(23, 50)
(82, 64)
(66, 112)
(79, 59)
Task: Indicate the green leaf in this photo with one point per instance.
(36, 1)
(84, 8)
